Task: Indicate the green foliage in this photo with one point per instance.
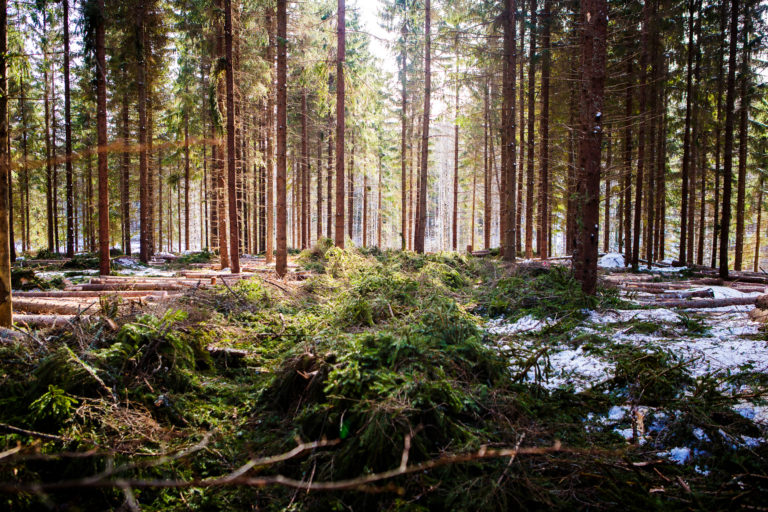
(27, 279)
(45, 254)
(203, 256)
(652, 376)
(54, 405)
(83, 261)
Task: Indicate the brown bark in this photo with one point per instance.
(544, 209)
(455, 217)
(530, 141)
(340, 121)
(687, 138)
(743, 143)
(508, 211)
(403, 130)
(144, 240)
(48, 167)
(6, 310)
(718, 129)
(421, 218)
(101, 124)
(593, 64)
(628, 166)
(487, 184)
(641, 146)
(281, 263)
(68, 138)
(186, 182)
(759, 206)
(234, 232)
(270, 218)
(728, 149)
(125, 197)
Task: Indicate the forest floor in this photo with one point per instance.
(383, 381)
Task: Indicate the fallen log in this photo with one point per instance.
(704, 304)
(39, 321)
(54, 306)
(128, 287)
(92, 294)
(682, 294)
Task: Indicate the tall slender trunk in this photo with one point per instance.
(687, 138)
(304, 172)
(718, 128)
(628, 167)
(281, 263)
(144, 249)
(340, 120)
(607, 174)
(509, 178)
(593, 63)
(487, 184)
(329, 182)
(521, 140)
(6, 315)
(403, 130)
(234, 231)
(68, 138)
(319, 231)
(730, 100)
(379, 210)
(421, 223)
(351, 191)
(48, 166)
(455, 219)
(544, 213)
(101, 123)
(186, 180)
(530, 141)
(125, 197)
(641, 146)
(365, 209)
(270, 178)
(759, 207)
(160, 199)
(743, 142)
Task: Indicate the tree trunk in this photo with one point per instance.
(365, 210)
(640, 135)
(48, 168)
(6, 310)
(125, 197)
(682, 257)
(509, 175)
(743, 143)
(304, 172)
(521, 140)
(455, 219)
(544, 216)
(421, 221)
(351, 191)
(270, 225)
(186, 181)
(68, 138)
(728, 149)
(340, 121)
(530, 141)
(234, 231)
(593, 64)
(101, 123)
(403, 130)
(628, 167)
(718, 128)
(380, 211)
(607, 212)
(759, 206)
(144, 241)
(487, 183)
(281, 264)
(329, 182)
(319, 230)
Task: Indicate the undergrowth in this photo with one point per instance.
(375, 348)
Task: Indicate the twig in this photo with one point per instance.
(41, 435)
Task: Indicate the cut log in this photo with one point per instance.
(40, 321)
(705, 304)
(762, 302)
(54, 306)
(90, 294)
(128, 286)
(682, 294)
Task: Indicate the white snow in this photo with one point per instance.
(526, 324)
(611, 260)
(573, 367)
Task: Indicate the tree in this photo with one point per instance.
(730, 96)
(340, 121)
(421, 216)
(234, 231)
(101, 123)
(594, 18)
(508, 210)
(68, 138)
(6, 309)
(281, 263)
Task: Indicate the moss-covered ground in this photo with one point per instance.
(374, 351)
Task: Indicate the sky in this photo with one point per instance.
(369, 15)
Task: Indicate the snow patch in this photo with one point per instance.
(612, 260)
(526, 324)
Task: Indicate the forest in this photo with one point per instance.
(383, 255)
